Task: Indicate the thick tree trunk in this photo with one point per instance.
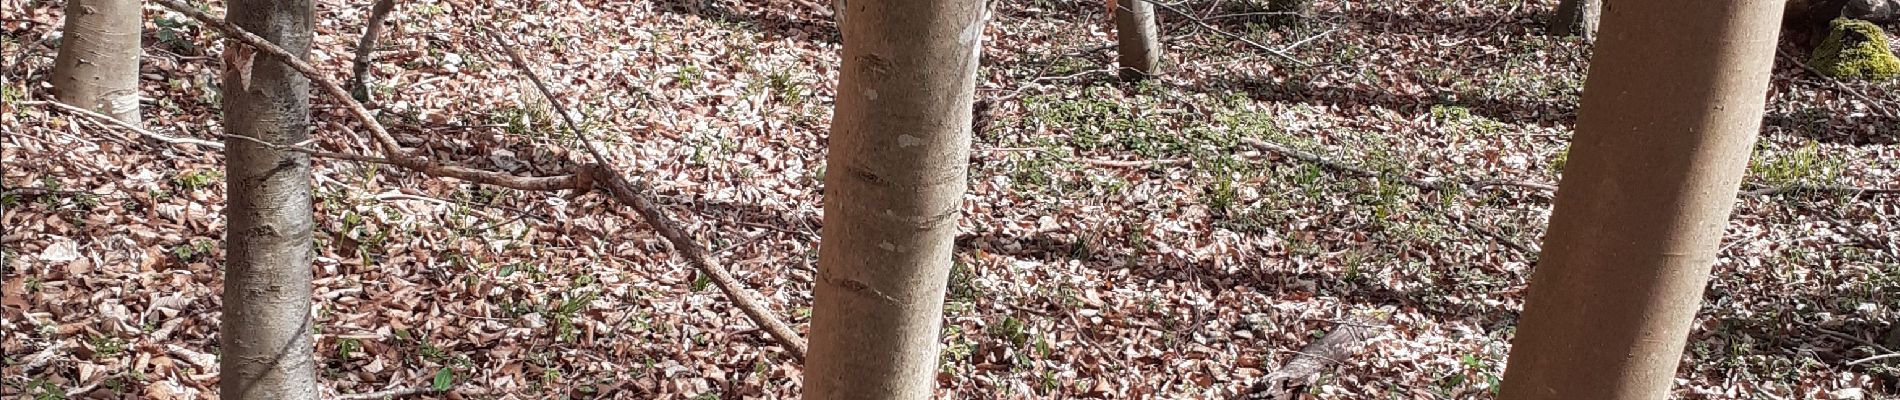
(98, 63)
(1670, 111)
(265, 352)
(900, 144)
(1577, 17)
(1139, 41)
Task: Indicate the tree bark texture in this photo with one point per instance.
(265, 350)
(1577, 17)
(900, 144)
(98, 63)
(1670, 112)
(1138, 39)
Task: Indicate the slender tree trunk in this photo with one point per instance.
(900, 144)
(1670, 111)
(265, 352)
(365, 47)
(1577, 17)
(1139, 41)
(98, 63)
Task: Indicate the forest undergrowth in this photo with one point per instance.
(1119, 240)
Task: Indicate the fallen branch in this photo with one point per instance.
(1345, 340)
(1849, 190)
(585, 178)
(386, 394)
(580, 181)
(1875, 105)
(1242, 38)
(1131, 163)
(630, 194)
(359, 68)
(1421, 184)
(1874, 358)
(115, 122)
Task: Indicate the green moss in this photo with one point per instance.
(1855, 49)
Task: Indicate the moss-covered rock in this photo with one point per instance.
(1855, 49)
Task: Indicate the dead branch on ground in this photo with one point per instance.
(1878, 107)
(630, 193)
(386, 394)
(1242, 38)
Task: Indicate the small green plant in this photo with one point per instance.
(1011, 330)
(192, 250)
(1558, 161)
(173, 33)
(42, 389)
(1801, 166)
(688, 76)
(788, 90)
(106, 347)
(567, 312)
(443, 379)
(197, 179)
(1222, 195)
(347, 347)
(963, 283)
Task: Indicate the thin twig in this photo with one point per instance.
(1875, 105)
(387, 394)
(1800, 188)
(634, 194)
(581, 180)
(115, 122)
(122, 124)
(584, 179)
(1131, 163)
(1235, 36)
(1874, 358)
(1297, 44)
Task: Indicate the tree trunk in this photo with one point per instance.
(265, 352)
(900, 144)
(98, 63)
(1670, 111)
(365, 47)
(1577, 17)
(1139, 39)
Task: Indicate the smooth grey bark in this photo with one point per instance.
(98, 63)
(1670, 112)
(900, 145)
(1577, 17)
(1138, 40)
(266, 346)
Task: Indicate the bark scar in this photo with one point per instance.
(238, 58)
(862, 288)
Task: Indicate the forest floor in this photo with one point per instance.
(1118, 241)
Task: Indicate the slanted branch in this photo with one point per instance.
(589, 177)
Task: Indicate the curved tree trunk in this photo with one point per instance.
(1577, 17)
(1670, 112)
(265, 350)
(365, 47)
(98, 63)
(900, 145)
(1138, 40)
